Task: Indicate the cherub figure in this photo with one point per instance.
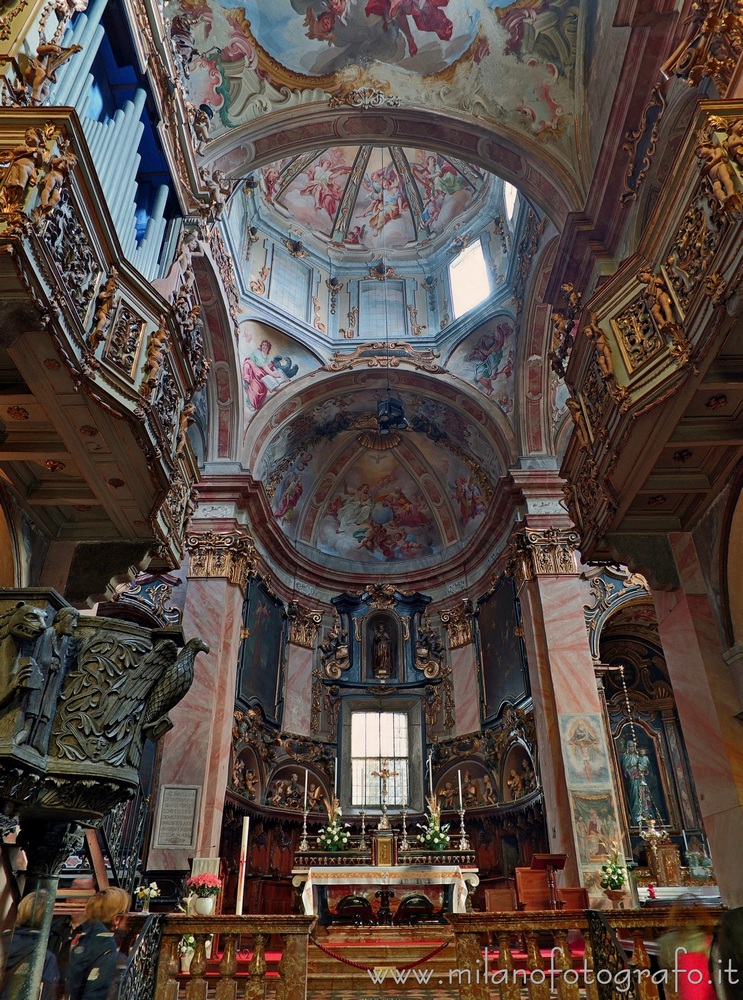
(219, 189)
(104, 304)
(25, 161)
(601, 346)
(251, 783)
(448, 793)
(201, 120)
(41, 69)
(717, 168)
(516, 785)
(488, 795)
(58, 171)
(657, 298)
(155, 352)
(579, 420)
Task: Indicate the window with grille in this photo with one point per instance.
(379, 741)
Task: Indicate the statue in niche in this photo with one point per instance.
(382, 651)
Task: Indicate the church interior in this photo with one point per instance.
(371, 438)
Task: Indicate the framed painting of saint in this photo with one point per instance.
(261, 650)
(502, 655)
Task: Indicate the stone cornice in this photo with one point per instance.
(536, 552)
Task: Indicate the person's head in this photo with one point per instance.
(65, 621)
(31, 910)
(266, 346)
(109, 906)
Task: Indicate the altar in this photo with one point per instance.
(369, 879)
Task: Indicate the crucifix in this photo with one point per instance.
(384, 774)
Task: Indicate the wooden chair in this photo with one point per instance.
(500, 900)
(574, 897)
(532, 889)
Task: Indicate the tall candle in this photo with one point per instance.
(686, 843)
(335, 779)
(430, 774)
(459, 776)
(305, 789)
(242, 867)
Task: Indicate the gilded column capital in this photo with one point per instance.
(542, 552)
(303, 624)
(229, 554)
(458, 623)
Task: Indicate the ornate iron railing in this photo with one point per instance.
(140, 976)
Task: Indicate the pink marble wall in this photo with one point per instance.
(197, 750)
(298, 690)
(563, 684)
(466, 689)
(707, 702)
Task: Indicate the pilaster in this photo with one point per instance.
(458, 622)
(196, 753)
(573, 748)
(708, 701)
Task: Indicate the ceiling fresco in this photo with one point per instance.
(486, 359)
(269, 361)
(374, 198)
(338, 486)
(513, 63)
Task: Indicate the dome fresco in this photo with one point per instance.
(339, 487)
(380, 199)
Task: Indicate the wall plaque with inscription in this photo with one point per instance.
(177, 816)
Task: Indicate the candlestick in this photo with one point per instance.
(464, 844)
(242, 866)
(305, 789)
(404, 845)
(304, 844)
(461, 802)
(362, 842)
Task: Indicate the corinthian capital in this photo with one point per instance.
(303, 625)
(458, 623)
(542, 552)
(229, 554)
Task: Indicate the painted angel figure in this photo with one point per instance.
(323, 185)
(427, 15)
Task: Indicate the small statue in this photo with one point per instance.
(315, 798)
(528, 777)
(238, 777)
(104, 305)
(657, 298)
(187, 418)
(277, 793)
(293, 792)
(734, 141)
(488, 795)
(41, 69)
(219, 189)
(573, 297)
(579, 420)
(25, 160)
(58, 172)
(382, 652)
(448, 793)
(516, 784)
(187, 245)
(601, 346)
(469, 790)
(717, 167)
(201, 120)
(251, 783)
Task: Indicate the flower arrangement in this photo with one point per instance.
(147, 892)
(613, 872)
(433, 835)
(205, 884)
(187, 943)
(334, 836)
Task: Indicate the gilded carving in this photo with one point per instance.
(605, 362)
(415, 326)
(536, 552)
(222, 554)
(303, 625)
(694, 246)
(458, 623)
(637, 335)
(24, 162)
(364, 97)
(610, 590)
(104, 306)
(316, 314)
(640, 144)
(432, 704)
(379, 354)
(72, 254)
(348, 333)
(258, 285)
(334, 650)
(126, 335)
(717, 168)
(712, 46)
(226, 269)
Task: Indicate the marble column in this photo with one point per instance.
(708, 702)
(196, 752)
(300, 657)
(574, 762)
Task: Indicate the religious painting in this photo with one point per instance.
(261, 650)
(584, 750)
(501, 649)
(486, 359)
(683, 785)
(321, 37)
(268, 361)
(595, 824)
(641, 776)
